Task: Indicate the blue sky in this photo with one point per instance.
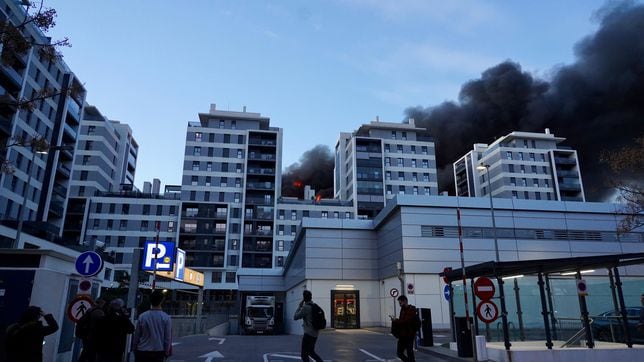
(316, 68)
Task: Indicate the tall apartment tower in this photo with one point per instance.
(522, 165)
(104, 161)
(231, 181)
(55, 119)
(380, 160)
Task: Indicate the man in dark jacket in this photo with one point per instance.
(305, 313)
(24, 339)
(93, 315)
(111, 332)
(405, 325)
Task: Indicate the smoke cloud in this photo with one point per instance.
(597, 102)
(315, 168)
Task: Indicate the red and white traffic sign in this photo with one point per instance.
(487, 311)
(484, 288)
(78, 307)
(582, 288)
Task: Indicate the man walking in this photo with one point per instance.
(152, 340)
(406, 330)
(305, 313)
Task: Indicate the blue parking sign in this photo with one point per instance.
(163, 257)
(447, 293)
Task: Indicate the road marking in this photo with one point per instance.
(279, 354)
(371, 355)
(209, 356)
(175, 343)
(221, 340)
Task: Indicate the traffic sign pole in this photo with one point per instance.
(156, 257)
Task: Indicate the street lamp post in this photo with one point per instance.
(489, 191)
(35, 149)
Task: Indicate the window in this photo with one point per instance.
(239, 154)
(413, 149)
(534, 169)
(401, 175)
(96, 223)
(347, 215)
(515, 194)
(123, 225)
(425, 164)
(144, 225)
(413, 163)
(427, 190)
(280, 245)
(198, 136)
(521, 156)
(224, 167)
(414, 176)
(387, 148)
(399, 148)
(190, 227)
(120, 242)
(535, 182)
(293, 215)
(146, 209)
(423, 150)
(549, 196)
(125, 209)
(110, 223)
(280, 261)
(233, 124)
(387, 161)
(537, 195)
(525, 143)
(426, 177)
(400, 162)
(513, 181)
(83, 175)
(524, 182)
(526, 195)
(415, 192)
(196, 151)
(99, 207)
(208, 179)
(86, 159)
(222, 124)
(508, 155)
(230, 277)
(534, 144)
(223, 182)
(325, 214)
(305, 213)
(522, 168)
(511, 168)
(225, 152)
(195, 165)
(194, 180)
(542, 157)
(404, 135)
(532, 156)
(546, 183)
(293, 230)
(389, 189)
(209, 166)
(238, 169)
(393, 135)
(220, 227)
(215, 277)
(233, 260)
(336, 214)
(545, 170)
(401, 190)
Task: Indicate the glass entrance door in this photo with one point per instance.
(346, 309)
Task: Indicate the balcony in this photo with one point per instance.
(259, 186)
(565, 161)
(259, 201)
(60, 190)
(73, 108)
(56, 207)
(261, 156)
(261, 171)
(63, 170)
(261, 142)
(570, 186)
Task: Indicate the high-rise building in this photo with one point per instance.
(522, 165)
(231, 181)
(40, 98)
(104, 161)
(380, 160)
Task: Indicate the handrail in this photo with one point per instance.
(577, 335)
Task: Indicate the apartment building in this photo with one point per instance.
(104, 161)
(40, 180)
(380, 160)
(521, 165)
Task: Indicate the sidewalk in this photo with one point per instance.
(436, 351)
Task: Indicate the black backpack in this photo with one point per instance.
(84, 325)
(417, 322)
(318, 321)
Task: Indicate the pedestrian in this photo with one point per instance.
(152, 340)
(640, 325)
(24, 340)
(405, 327)
(86, 330)
(112, 331)
(310, 337)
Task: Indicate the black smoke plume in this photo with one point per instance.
(597, 102)
(315, 169)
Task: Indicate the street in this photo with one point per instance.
(332, 345)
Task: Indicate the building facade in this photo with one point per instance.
(521, 165)
(380, 160)
(41, 177)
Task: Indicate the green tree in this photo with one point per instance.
(627, 163)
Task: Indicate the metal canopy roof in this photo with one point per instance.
(546, 266)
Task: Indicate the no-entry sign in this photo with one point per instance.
(484, 288)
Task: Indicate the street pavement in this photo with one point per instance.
(370, 345)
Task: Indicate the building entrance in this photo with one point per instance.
(345, 309)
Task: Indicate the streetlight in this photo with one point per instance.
(36, 148)
(489, 186)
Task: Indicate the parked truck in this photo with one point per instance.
(259, 314)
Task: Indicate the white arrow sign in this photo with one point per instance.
(209, 356)
(88, 263)
(221, 340)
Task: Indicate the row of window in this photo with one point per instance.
(143, 225)
(412, 163)
(124, 209)
(212, 137)
(225, 152)
(518, 233)
(305, 213)
(215, 277)
(403, 190)
(524, 182)
(401, 176)
(519, 156)
(400, 149)
(197, 166)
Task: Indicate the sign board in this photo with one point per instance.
(89, 264)
(487, 311)
(78, 307)
(484, 288)
(163, 257)
(582, 288)
(447, 293)
(410, 288)
(446, 270)
(180, 264)
(393, 292)
(85, 286)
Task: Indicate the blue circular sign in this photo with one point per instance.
(89, 264)
(447, 293)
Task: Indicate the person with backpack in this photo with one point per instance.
(86, 329)
(405, 327)
(305, 312)
(112, 331)
(24, 340)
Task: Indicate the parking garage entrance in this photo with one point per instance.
(345, 309)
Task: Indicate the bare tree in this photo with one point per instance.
(628, 164)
